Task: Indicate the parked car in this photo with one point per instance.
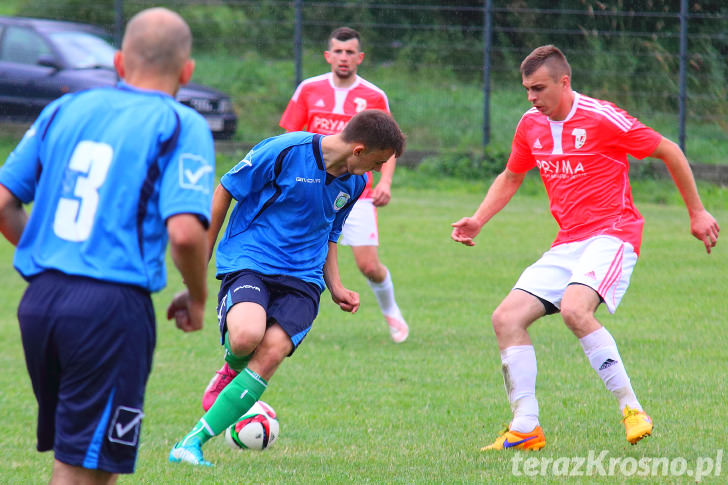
(40, 60)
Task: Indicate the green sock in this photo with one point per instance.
(234, 362)
(201, 431)
(234, 400)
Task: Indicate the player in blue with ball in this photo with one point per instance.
(278, 253)
(113, 173)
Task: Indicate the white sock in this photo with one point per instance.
(519, 376)
(601, 350)
(384, 292)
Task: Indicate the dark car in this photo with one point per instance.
(40, 60)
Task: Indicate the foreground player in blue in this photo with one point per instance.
(279, 252)
(113, 173)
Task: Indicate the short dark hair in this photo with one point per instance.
(376, 130)
(550, 56)
(343, 34)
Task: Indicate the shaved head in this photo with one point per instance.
(157, 41)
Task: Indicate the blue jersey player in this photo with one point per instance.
(113, 173)
(278, 253)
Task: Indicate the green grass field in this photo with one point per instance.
(356, 408)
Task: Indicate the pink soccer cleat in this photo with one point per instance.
(222, 378)
(398, 329)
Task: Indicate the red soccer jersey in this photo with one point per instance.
(320, 107)
(584, 167)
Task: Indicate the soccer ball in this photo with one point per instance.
(255, 430)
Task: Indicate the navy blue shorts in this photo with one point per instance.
(291, 302)
(88, 347)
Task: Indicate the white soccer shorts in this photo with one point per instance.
(360, 228)
(603, 263)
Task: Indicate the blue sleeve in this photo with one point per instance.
(21, 170)
(252, 173)
(189, 175)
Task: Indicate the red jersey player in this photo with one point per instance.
(324, 104)
(580, 147)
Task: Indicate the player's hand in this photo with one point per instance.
(187, 313)
(381, 195)
(347, 300)
(465, 230)
(704, 227)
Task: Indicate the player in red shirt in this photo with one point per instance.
(580, 147)
(324, 104)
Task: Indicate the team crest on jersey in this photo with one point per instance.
(579, 137)
(341, 200)
(361, 104)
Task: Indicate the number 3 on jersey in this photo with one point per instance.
(75, 216)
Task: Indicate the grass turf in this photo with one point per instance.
(356, 408)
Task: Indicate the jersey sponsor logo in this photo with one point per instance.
(579, 137)
(560, 168)
(195, 173)
(125, 426)
(361, 104)
(537, 144)
(327, 126)
(308, 180)
(341, 201)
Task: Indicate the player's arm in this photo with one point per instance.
(346, 299)
(702, 224)
(188, 247)
(499, 194)
(221, 200)
(382, 192)
(12, 216)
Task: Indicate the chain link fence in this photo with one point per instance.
(451, 68)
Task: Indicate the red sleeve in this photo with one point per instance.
(640, 140)
(521, 159)
(295, 116)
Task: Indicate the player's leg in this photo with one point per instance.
(242, 320)
(291, 309)
(603, 274)
(518, 363)
(380, 281)
(64, 474)
(360, 232)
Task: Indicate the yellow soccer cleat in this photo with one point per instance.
(637, 424)
(535, 440)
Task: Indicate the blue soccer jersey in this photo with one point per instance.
(104, 169)
(288, 209)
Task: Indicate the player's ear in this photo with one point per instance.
(359, 149)
(327, 56)
(187, 70)
(119, 64)
(361, 58)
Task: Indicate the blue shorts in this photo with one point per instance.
(288, 301)
(88, 347)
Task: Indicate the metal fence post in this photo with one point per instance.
(683, 67)
(487, 39)
(118, 21)
(297, 41)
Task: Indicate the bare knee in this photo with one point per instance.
(579, 319)
(244, 341)
(274, 348)
(373, 270)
